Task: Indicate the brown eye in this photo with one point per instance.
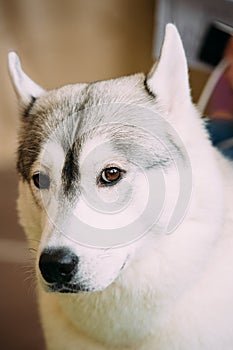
(110, 176)
(41, 181)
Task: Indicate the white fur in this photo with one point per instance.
(176, 291)
(25, 88)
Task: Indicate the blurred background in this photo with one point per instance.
(61, 42)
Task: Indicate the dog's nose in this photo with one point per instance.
(58, 265)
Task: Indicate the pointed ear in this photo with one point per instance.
(168, 79)
(24, 87)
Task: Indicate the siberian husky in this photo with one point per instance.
(129, 208)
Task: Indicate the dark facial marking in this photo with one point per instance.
(27, 110)
(147, 88)
(70, 173)
(35, 129)
(27, 154)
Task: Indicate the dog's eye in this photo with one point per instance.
(41, 181)
(110, 176)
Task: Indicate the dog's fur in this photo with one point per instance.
(160, 291)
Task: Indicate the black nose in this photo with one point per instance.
(58, 265)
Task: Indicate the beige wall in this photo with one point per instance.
(197, 80)
(68, 41)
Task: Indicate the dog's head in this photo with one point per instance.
(98, 169)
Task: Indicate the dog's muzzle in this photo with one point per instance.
(58, 266)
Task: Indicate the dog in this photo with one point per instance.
(129, 208)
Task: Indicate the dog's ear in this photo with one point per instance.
(26, 89)
(168, 79)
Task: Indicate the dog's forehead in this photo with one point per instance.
(97, 122)
(82, 96)
(63, 108)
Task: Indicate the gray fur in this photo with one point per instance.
(76, 106)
